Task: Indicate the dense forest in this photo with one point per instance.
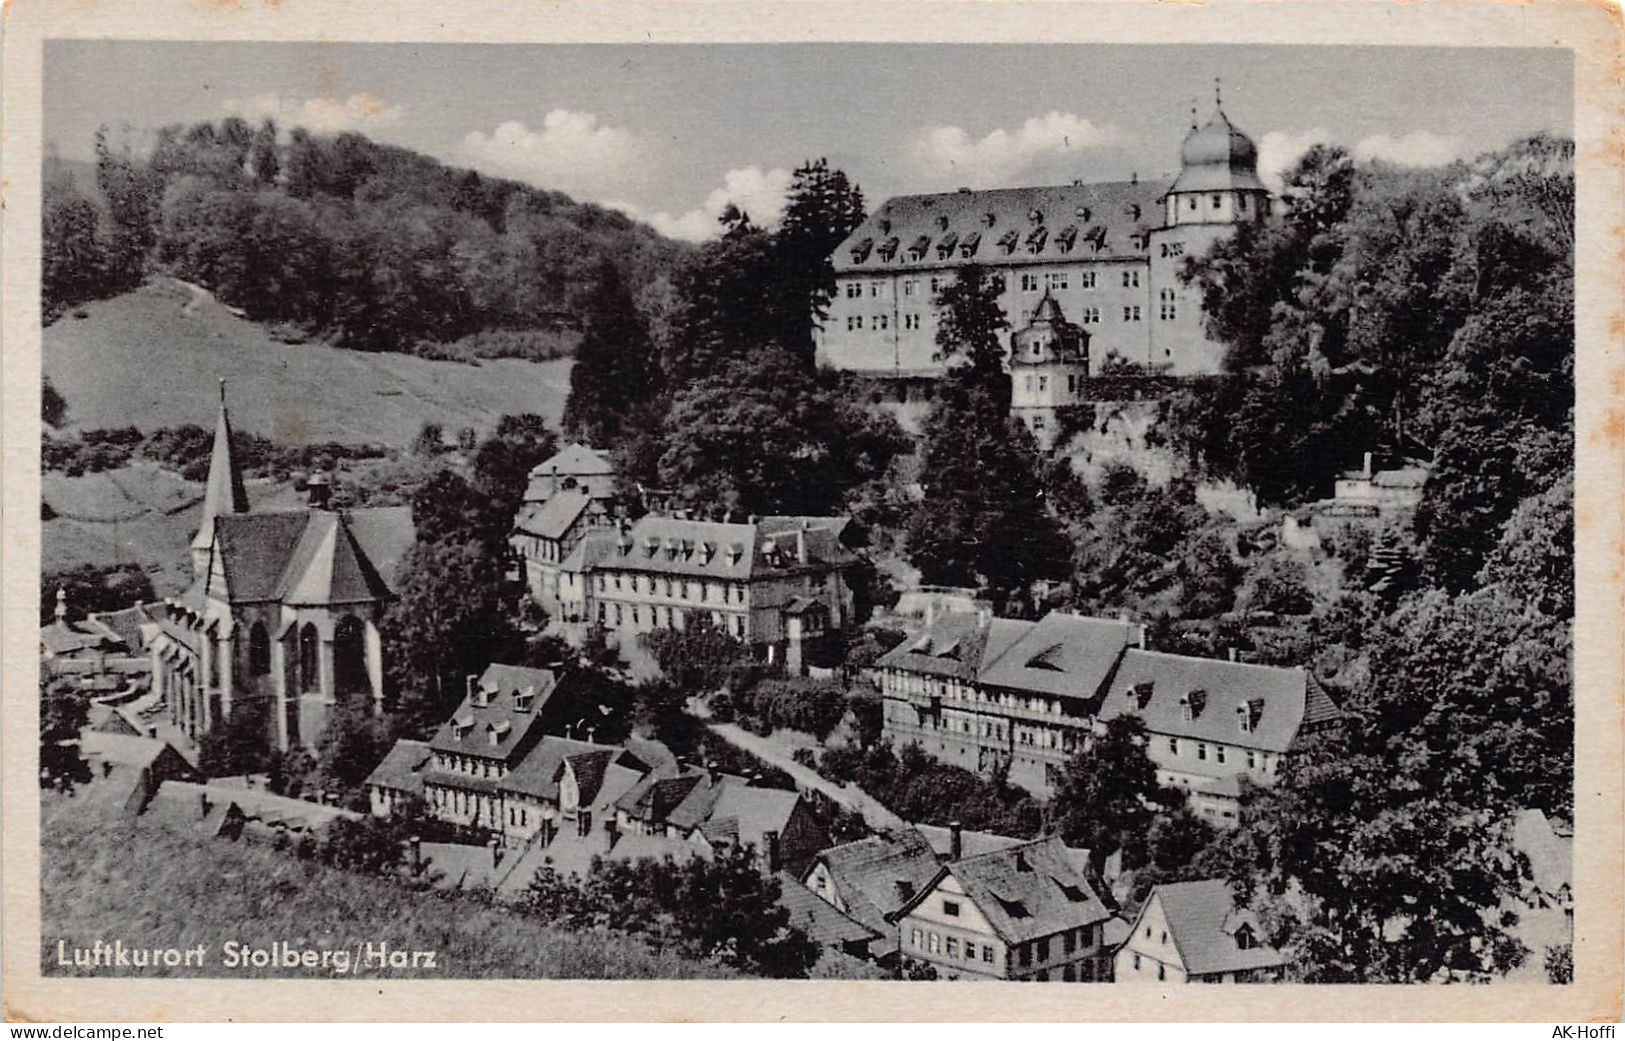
(368, 245)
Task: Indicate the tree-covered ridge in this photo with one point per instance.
(373, 246)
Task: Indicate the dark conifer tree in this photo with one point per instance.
(615, 368)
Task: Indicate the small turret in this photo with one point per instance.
(224, 493)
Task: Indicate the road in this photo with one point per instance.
(853, 798)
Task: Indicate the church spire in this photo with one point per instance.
(224, 493)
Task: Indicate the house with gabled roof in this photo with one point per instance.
(495, 726)
(546, 533)
(1214, 726)
(1026, 912)
(1194, 932)
(567, 786)
(575, 467)
(282, 615)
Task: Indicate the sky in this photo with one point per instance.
(671, 134)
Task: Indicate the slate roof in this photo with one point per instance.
(594, 548)
(1072, 217)
(1024, 892)
(821, 921)
(876, 875)
(1217, 157)
(730, 552)
(255, 803)
(126, 624)
(553, 518)
(1064, 654)
(63, 638)
(1274, 697)
(313, 556)
(951, 646)
(402, 768)
(753, 811)
(1403, 477)
(499, 715)
(631, 847)
(223, 492)
(654, 797)
(574, 460)
(1202, 922)
(538, 773)
(971, 843)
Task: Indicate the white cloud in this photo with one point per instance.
(1278, 150)
(760, 193)
(948, 153)
(362, 111)
(1416, 148)
(570, 152)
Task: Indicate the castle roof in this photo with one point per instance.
(312, 557)
(1218, 157)
(1003, 227)
(731, 552)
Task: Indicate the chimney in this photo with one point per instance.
(713, 771)
(203, 804)
(956, 841)
(801, 544)
(469, 689)
(770, 839)
(414, 846)
(1232, 652)
(496, 851)
(319, 491)
(1367, 466)
(61, 605)
(152, 731)
(590, 732)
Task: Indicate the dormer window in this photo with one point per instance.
(1247, 715)
(945, 246)
(885, 225)
(860, 252)
(708, 550)
(1190, 705)
(942, 222)
(968, 245)
(1244, 938)
(1008, 241)
(1066, 238)
(888, 249)
(736, 552)
(673, 547)
(523, 697)
(1037, 238)
(1035, 216)
(651, 546)
(920, 247)
(1083, 213)
(1141, 693)
(1132, 211)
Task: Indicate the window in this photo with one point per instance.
(1091, 316)
(1218, 752)
(1217, 200)
(1068, 942)
(854, 321)
(1131, 279)
(1252, 760)
(1024, 955)
(874, 288)
(911, 321)
(1241, 203)
(1201, 751)
(1162, 971)
(1131, 314)
(909, 285)
(1173, 249)
(1087, 280)
(937, 282)
(1192, 201)
(1043, 950)
(936, 942)
(987, 952)
(919, 939)
(950, 947)
(617, 614)
(1056, 280)
(950, 908)
(1173, 749)
(882, 321)
(853, 290)
(970, 951)
(1136, 963)
(1029, 282)
(1167, 307)
(1043, 383)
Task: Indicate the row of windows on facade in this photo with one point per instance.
(1023, 954)
(667, 618)
(909, 683)
(1029, 281)
(470, 765)
(1087, 316)
(1042, 384)
(1255, 759)
(680, 589)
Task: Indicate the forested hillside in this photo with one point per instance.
(367, 245)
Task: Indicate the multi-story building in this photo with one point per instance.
(575, 467)
(763, 582)
(1109, 254)
(985, 693)
(1049, 363)
(1193, 932)
(1027, 912)
(497, 724)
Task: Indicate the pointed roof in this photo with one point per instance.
(1217, 157)
(224, 492)
(328, 567)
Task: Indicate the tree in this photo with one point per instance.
(1208, 575)
(89, 588)
(615, 364)
(969, 321)
(503, 461)
(1107, 795)
(240, 745)
(73, 255)
(64, 712)
(368, 846)
(263, 160)
(353, 742)
(698, 658)
(1533, 562)
(1280, 584)
(822, 208)
(53, 406)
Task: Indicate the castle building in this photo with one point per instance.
(282, 614)
(1108, 253)
(1049, 361)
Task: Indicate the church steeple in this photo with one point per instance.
(223, 494)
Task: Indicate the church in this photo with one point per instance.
(1107, 254)
(281, 618)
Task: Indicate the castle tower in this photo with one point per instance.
(1218, 175)
(1049, 361)
(224, 492)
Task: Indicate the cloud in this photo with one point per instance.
(948, 154)
(1278, 150)
(362, 111)
(570, 152)
(1416, 148)
(760, 193)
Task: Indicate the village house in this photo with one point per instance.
(1193, 932)
(129, 768)
(1213, 725)
(768, 582)
(282, 616)
(1049, 367)
(570, 786)
(984, 692)
(1109, 253)
(497, 724)
(1027, 912)
(575, 467)
(544, 535)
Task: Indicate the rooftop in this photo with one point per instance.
(1203, 922)
(1025, 891)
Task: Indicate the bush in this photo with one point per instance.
(812, 706)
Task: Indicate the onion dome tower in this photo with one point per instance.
(1218, 175)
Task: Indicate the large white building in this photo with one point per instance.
(1108, 253)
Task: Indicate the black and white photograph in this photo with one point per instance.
(1098, 515)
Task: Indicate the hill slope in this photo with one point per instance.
(152, 358)
(169, 889)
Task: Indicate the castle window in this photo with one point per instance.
(854, 290)
(1131, 279)
(1087, 280)
(908, 286)
(911, 321)
(1218, 200)
(1192, 201)
(1056, 280)
(1043, 383)
(874, 288)
(1131, 314)
(1029, 282)
(882, 321)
